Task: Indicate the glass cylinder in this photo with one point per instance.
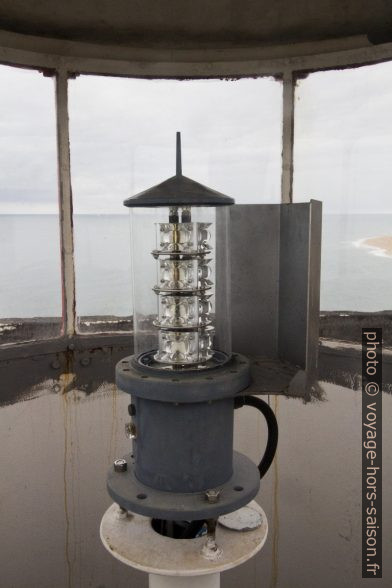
(181, 284)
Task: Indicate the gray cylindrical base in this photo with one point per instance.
(207, 581)
(183, 447)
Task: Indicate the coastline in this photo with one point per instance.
(380, 246)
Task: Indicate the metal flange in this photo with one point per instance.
(131, 494)
(182, 386)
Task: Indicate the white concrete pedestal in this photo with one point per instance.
(179, 563)
(206, 581)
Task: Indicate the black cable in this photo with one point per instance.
(272, 424)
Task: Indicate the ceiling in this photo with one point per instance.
(195, 24)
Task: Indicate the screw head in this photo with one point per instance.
(212, 495)
(130, 430)
(120, 465)
(121, 512)
(85, 361)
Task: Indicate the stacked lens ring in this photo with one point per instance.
(183, 287)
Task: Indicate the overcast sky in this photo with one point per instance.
(123, 139)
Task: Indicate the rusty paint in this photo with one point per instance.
(287, 139)
(65, 205)
(66, 510)
(113, 428)
(47, 72)
(302, 74)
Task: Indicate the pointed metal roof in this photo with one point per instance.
(178, 191)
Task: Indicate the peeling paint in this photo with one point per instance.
(113, 430)
(66, 509)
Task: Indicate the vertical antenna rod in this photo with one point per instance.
(178, 155)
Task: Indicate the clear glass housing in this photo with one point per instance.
(181, 284)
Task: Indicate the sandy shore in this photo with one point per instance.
(384, 244)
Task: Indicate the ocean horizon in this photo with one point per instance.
(355, 275)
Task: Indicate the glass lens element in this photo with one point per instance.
(184, 347)
(184, 274)
(175, 237)
(203, 237)
(183, 311)
(178, 311)
(183, 237)
(184, 279)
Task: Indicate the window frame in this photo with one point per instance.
(287, 70)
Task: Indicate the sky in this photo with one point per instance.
(122, 136)
(343, 147)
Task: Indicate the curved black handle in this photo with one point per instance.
(272, 424)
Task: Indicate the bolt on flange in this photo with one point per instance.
(212, 495)
(130, 430)
(121, 513)
(120, 465)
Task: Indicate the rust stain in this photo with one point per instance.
(66, 510)
(113, 428)
(74, 452)
(275, 514)
(66, 382)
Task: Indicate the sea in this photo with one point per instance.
(354, 277)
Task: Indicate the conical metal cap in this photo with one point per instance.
(178, 191)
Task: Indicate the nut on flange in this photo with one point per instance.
(130, 430)
(212, 495)
(120, 465)
(121, 513)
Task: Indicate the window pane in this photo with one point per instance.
(343, 146)
(30, 292)
(123, 141)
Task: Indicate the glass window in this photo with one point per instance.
(30, 275)
(123, 141)
(342, 156)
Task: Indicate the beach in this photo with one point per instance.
(382, 244)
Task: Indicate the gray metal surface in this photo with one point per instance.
(254, 278)
(299, 283)
(183, 386)
(183, 447)
(178, 190)
(124, 488)
(293, 282)
(183, 422)
(270, 376)
(275, 266)
(314, 274)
